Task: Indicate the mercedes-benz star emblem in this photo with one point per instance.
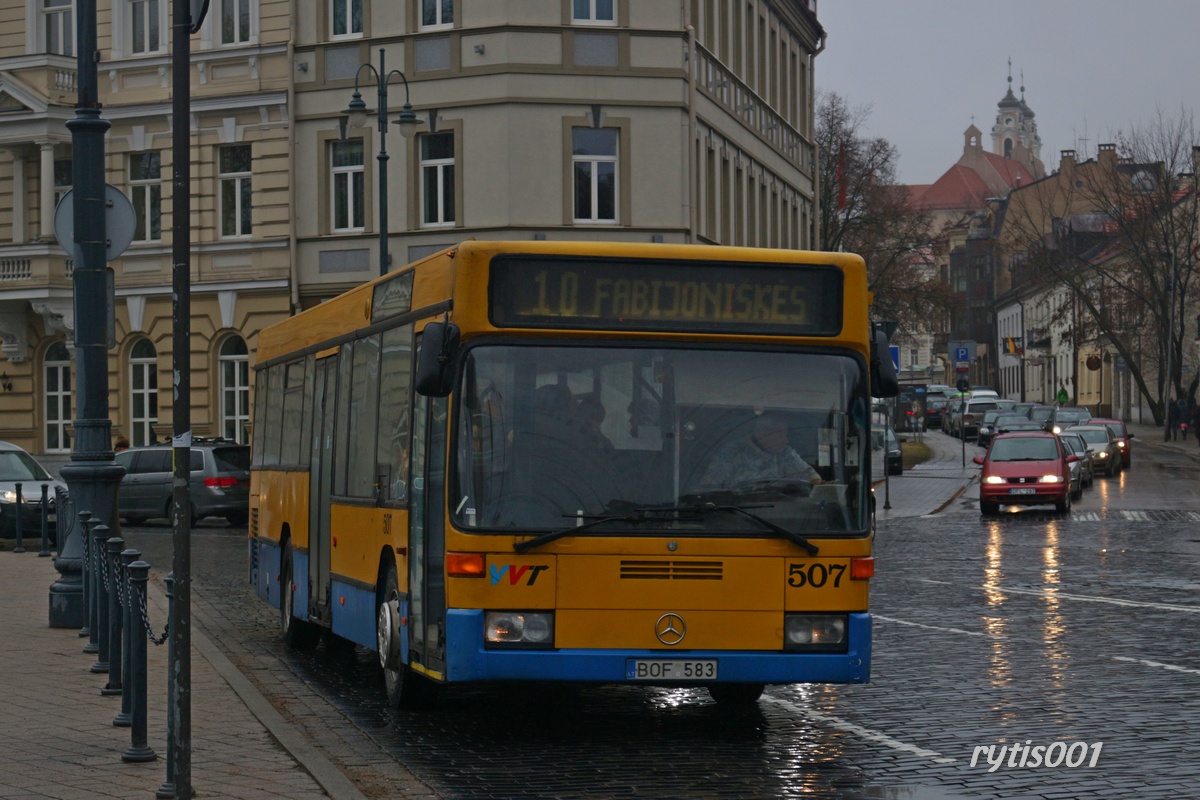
(670, 629)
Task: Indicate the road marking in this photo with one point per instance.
(1086, 598)
(935, 627)
(858, 730)
(1149, 663)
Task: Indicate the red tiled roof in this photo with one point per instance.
(1012, 172)
(959, 187)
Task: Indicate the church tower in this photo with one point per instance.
(1015, 133)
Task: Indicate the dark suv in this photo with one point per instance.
(220, 481)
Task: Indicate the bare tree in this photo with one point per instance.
(865, 211)
(1121, 233)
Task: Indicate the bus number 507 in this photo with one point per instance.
(815, 575)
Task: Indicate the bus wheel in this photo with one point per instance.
(403, 688)
(297, 634)
(735, 694)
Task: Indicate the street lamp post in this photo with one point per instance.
(1170, 348)
(408, 123)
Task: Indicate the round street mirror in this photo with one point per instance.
(120, 222)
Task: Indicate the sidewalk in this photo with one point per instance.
(58, 739)
(930, 486)
(1149, 435)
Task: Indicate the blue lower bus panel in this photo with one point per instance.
(468, 660)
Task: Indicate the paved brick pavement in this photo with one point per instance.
(928, 487)
(57, 735)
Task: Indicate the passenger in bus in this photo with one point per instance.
(590, 414)
(766, 455)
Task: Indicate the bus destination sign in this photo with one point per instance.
(625, 294)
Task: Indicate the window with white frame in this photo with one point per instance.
(143, 392)
(233, 167)
(594, 12)
(594, 163)
(62, 178)
(347, 17)
(145, 186)
(58, 21)
(145, 26)
(235, 21)
(437, 179)
(57, 366)
(437, 13)
(235, 388)
(346, 160)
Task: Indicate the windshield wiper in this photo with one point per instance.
(550, 536)
(744, 510)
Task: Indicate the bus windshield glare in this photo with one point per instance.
(661, 438)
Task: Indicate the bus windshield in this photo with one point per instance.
(550, 436)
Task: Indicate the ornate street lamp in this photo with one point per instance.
(408, 121)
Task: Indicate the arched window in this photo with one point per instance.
(143, 392)
(1008, 147)
(58, 398)
(235, 388)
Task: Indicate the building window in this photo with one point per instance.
(59, 20)
(234, 176)
(348, 191)
(437, 13)
(594, 162)
(145, 184)
(437, 179)
(58, 398)
(235, 21)
(235, 389)
(62, 179)
(143, 392)
(347, 17)
(145, 26)
(594, 12)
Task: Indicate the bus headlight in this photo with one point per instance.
(518, 629)
(815, 632)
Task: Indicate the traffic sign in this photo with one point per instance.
(962, 354)
(895, 351)
(120, 222)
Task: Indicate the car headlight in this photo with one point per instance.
(1050, 479)
(518, 629)
(819, 632)
(1121, 445)
(9, 496)
(1102, 454)
(1057, 429)
(993, 479)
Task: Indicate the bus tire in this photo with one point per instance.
(735, 694)
(403, 688)
(297, 633)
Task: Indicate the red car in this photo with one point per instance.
(1025, 468)
(1122, 435)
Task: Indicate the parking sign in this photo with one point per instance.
(962, 354)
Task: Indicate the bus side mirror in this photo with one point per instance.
(436, 359)
(884, 382)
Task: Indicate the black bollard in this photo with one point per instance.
(167, 790)
(101, 581)
(19, 545)
(125, 718)
(138, 750)
(116, 591)
(89, 582)
(45, 551)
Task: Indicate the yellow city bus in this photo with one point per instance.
(541, 461)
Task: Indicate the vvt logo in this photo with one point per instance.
(515, 573)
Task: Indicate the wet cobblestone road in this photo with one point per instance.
(1024, 629)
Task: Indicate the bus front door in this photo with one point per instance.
(426, 545)
(320, 481)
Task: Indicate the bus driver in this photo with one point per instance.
(765, 456)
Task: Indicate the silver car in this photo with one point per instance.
(17, 466)
(219, 481)
(1103, 444)
(1086, 463)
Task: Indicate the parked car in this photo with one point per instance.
(972, 412)
(1063, 417)
(935, 408)
(1031, 468)
(885, 442)
(17, 466)
(219, 481)
(951, 412)
(1123, 436)
(989, 426)
(1086, 465)
(1103, 444)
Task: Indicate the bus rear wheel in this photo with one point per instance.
(297, 633)
(735, 694)
(403, 688)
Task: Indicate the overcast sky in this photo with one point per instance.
(1092, 68)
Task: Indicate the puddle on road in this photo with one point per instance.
(910, 793)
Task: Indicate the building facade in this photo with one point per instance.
(579, 119)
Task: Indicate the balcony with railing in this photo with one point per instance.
(52, 76)
(30, 268)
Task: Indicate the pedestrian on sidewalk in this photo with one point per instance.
(1173, 412)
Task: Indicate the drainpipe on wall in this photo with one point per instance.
(293, 247)
(689, 165)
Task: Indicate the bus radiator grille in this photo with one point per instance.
(672, 570)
